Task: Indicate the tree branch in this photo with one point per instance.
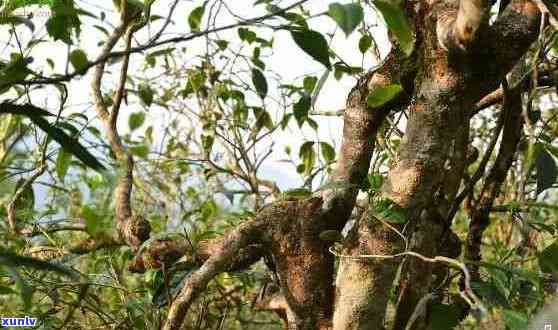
(458, 31)
(512, 132)
(134, 230)
(243, 235)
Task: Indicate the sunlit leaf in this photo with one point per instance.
(140, 150)
(297, 193)
(397, 23)
(195, 18)
(389, 211)
(135, 120)
(348, 16)
(63, 163)
(308, 156)
(327, 152)
(383, 95)
(515, 320)
(92, 219)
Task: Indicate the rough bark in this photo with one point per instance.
(462, 82)
(448, 86)
(357, 282)
(363, 286)
(360, 125)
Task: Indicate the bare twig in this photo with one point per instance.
(470, 296)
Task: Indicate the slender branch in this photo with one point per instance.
(479, 172)
(134, 230)
(11, 207)
(513, 127)
(101, 60)
(118, 96)
(546, 12)
(469, 294)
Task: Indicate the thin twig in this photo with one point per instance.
(470, 296)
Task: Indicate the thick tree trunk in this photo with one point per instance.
(450, 81)
(458, 59)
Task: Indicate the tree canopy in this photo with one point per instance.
(271, 164)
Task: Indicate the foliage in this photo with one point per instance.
(211, 126)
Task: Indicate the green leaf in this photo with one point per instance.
(364, 43)
(141, 150)
(63, 21)
(490, 292)
(388, 210)
(327, 152)
(263, 119)
(78, 58)
(548, 259)
(92, 220)
(301, 109)
(222, 44)
(69, 144)
(444, 317)
(348, 16)
(13, 71)
(331, 236)
(308, 156)
(145, 93)
(397, 23)
(319, 87)
(382, 95)
(546, 171)
(6, 290)
(309, 83)
(375, 181)
(63, 163)
(136, 120)
(247, 35)
(259, 81)
(515, 320)
(313, 44)
(195, 18)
